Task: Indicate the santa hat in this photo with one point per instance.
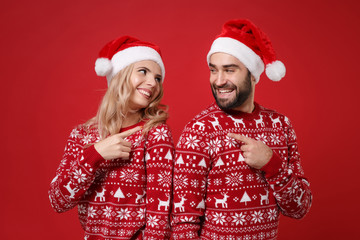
(243, 40)
(124, 51)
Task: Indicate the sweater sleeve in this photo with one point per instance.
(191, 169)
(285, 175)
(159, 157)
(76, 171)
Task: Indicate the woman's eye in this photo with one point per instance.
(142, 71)
(158, 79)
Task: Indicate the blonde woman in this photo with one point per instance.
(117, 167)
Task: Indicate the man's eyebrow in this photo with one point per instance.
(230, 66)
(225, 66)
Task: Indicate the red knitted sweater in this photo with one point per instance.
(117, 199)
(218, 196)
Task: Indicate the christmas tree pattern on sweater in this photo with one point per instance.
(117, 199)
(215, 189)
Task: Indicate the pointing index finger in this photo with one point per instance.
(240, 137)
(130, 132)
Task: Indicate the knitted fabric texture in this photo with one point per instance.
(217, 194)
(117, 199)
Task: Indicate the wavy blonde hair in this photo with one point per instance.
(115, 102)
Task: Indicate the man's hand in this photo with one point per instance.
(256, 153)
(115, 146)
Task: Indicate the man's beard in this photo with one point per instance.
(242, 94)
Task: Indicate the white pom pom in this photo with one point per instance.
(103, 66)
(275, 71)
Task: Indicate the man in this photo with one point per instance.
(237, 163)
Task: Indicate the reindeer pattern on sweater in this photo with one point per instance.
(217, 194)
(117, 199)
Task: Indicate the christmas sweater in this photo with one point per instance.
(117, 199)
(217, 195)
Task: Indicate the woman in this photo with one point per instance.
(117, 167)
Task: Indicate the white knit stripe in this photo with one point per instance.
(242, 52)
(134, 54)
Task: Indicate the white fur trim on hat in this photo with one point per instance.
(103, 66)
(242, 52)
(131, 55)
(275, 71)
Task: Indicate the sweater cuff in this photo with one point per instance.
(273, 167)
(92, 157)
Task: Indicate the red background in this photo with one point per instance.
(48, 51)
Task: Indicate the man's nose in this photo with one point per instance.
(220, 79)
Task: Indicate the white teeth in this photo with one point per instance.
(225, 91)
(144, 92)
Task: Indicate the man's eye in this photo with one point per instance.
(212, 70)
(229, 70)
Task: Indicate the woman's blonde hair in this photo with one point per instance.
(111, 111)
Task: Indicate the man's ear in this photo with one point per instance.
(253, 79)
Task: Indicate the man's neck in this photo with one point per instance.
(248, 106)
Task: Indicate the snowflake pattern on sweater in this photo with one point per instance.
(117, 199)
(217, 195)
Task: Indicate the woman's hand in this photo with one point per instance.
(115, 146)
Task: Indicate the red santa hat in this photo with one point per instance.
(123, 51)
(243, 40)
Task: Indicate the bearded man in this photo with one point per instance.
(237, 163)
